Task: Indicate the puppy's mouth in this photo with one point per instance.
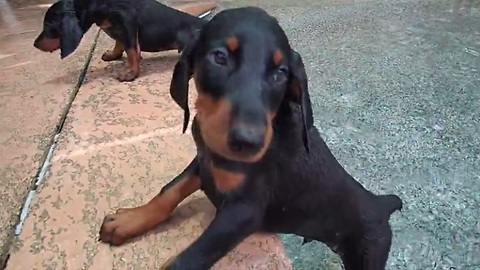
(242, 145)
(245, 142)
(47, 45)
(240, 154)
(241, 139)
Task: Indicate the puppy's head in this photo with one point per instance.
(61, 29)
(244, 69)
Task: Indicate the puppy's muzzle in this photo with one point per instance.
(45, 44)
(246, 140)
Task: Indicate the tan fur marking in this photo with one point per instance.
(118, 48)
(277, 57)
(131, 222)
(165, 203)
(232, 43)
(226, 181)
(166, 264)
(133, 59)
(115, 53)
(214, 117)
(49, 44)
(105, 24)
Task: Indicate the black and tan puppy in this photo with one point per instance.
(135, 25)
(260, 160)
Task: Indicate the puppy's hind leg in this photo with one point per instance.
(127, 223)
(369, 253)
(114, 54)
(378, 248)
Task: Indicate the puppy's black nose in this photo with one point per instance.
(245, 140)
(35, 43)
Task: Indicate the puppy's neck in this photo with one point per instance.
(231, 165)
(90, 12)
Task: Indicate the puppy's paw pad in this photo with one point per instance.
(110, 56)
(127, 223)
(127, 75)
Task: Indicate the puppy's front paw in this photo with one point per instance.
(126, 224)
(111, 56)
(127, 75)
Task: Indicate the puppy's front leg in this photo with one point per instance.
(129, 39)
(127, 223)
(231, 225)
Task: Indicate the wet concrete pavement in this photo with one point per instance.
(394, 86)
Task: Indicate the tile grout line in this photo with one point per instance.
(40, 178)
(42, 171)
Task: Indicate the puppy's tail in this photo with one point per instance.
(391, 203)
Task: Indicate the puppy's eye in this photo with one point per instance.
(280, 75)
(220, 57)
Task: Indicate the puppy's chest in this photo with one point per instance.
(220, 184)
(220, 179)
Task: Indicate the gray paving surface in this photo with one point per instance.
(396, 92)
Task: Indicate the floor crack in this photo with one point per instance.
(40, 177)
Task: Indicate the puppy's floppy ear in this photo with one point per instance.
(183, 71)
(70, 32)
(187, 34)
(298, 93)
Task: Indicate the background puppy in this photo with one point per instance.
(260, 160)
(135, 25)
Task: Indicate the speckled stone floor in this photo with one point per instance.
(32, 99)
(120, 143)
